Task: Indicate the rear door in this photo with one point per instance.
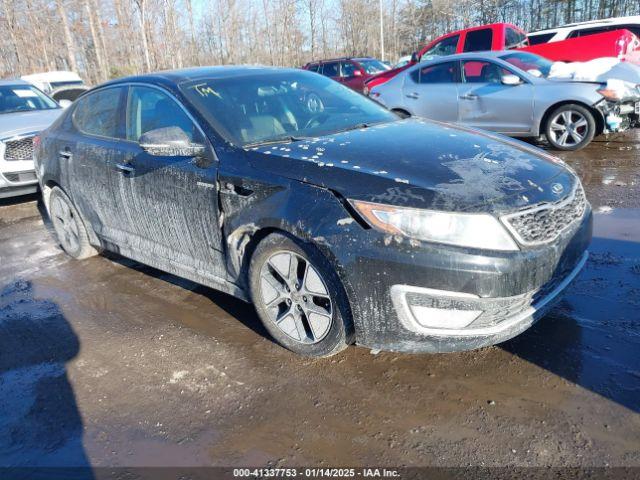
(430, 91)
(90, 152)
(485, 102)
(170, 203)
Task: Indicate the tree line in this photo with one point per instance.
(102, 39)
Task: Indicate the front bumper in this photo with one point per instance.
(509, 291)
(23, 185)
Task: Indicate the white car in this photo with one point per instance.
(24, 112)
(582, 29)
(64, 87)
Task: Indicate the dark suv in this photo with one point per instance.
(338, 220)
(352, 72)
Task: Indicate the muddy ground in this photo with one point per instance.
(106, 362)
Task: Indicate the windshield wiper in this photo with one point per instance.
(359, 126)
(272, 141)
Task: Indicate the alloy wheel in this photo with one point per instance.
(568, 128)
(296, 297)
(66, 224)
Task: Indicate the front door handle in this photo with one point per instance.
(125, 168)
(469, 96)
(413, 95)
(66, 154)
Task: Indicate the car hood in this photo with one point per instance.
(422, 164)
(19, 123)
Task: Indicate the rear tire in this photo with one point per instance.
(69, 226)
(570, 127)
(299, 297)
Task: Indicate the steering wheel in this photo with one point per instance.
(316, 120)
(314, 103)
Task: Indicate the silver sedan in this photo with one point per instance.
(508, 92)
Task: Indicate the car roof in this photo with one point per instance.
(53, 76)
(474, 55)
(197, 73)
(15, 82)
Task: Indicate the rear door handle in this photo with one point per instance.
(469, 96)
(124, 168)
(412, 95)
(65, 154)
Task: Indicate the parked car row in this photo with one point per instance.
(352, 72)
(510, 92)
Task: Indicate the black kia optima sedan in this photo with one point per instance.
(340, 221)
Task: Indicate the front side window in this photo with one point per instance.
(151, 109)
(478, 40)
(253, 108)
(439, 73)
(98, 113)
(515, 39)
(443, 47)
(373, 66)
(479, 71)
(347, 69)
(313, 67)
(23, 98)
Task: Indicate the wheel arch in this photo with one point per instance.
(597, 115)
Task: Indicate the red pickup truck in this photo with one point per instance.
(505, 36)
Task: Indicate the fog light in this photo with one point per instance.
(430, 317)
(435, 312)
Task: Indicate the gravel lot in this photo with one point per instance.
(106, 362)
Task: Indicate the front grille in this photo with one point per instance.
(545, 223)
(21, 149)
(20, 177)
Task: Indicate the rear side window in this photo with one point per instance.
(584, 32)
(313, 67)
(540, 38)
(515, 39)
(478, 40)
(98, 113)
(331, 69)
(440, 73)
(443, 47)
(151, 109)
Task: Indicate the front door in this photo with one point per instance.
(90, 149)
(430, 91)
(485, 102)
(170, 202)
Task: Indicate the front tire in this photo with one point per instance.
(299, 297)
(570, 127)
(69, 227)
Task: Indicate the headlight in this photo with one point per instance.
(463, 229)
(617, 90)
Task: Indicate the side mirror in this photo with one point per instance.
(64, 103)
(511, 80)
(170, 142)
(414, 57)
(357, 73)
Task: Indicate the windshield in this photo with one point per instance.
(373, 66)
(259, 107)
(23, 98)
(528, 62)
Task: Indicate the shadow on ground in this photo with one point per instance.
(40, 425)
